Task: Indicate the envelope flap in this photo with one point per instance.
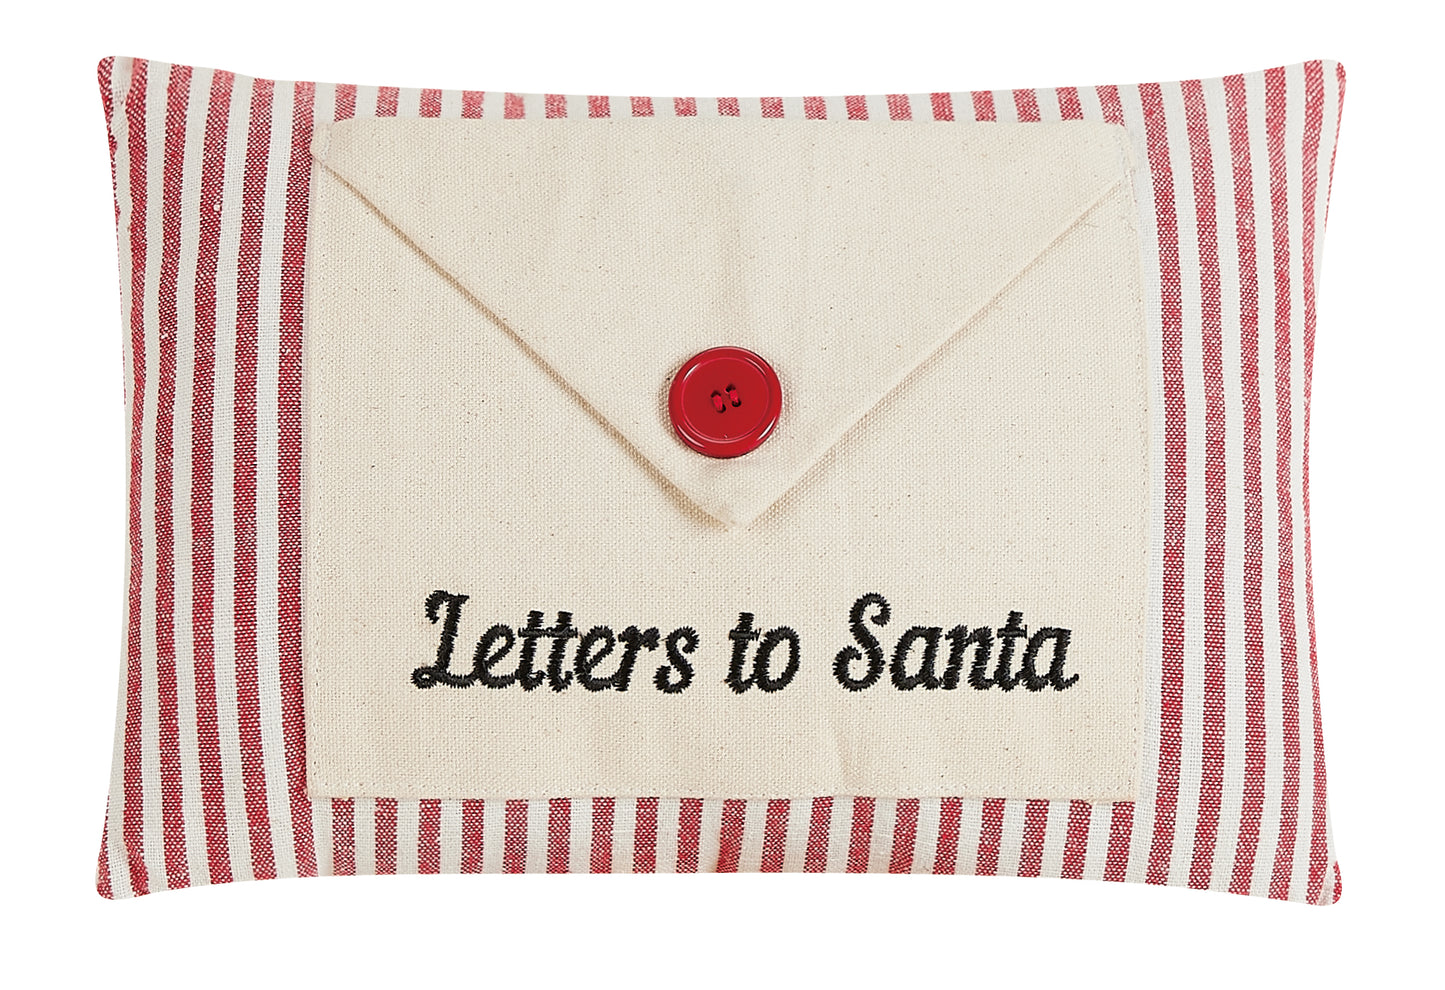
(844, 253)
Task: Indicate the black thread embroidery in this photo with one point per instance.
(898, 669)
(487, 658)
(634, 641)
(1014, 629)
(842, 663)
(679, 642)
(440, 672)
(742, 634)
(762, 668)
(960, 638)
(1055, 674)
(586, 661)
(559, 634)
(599, 643)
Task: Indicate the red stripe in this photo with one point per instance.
(905, 833)
(1026, 104)
(644, 836)
(343, 837)
(1276, 102)
(473, 818)
(819, 827)
(727, 106)
(1076, 842)
(689, 834)
(1176, 482)
(203, 539)
(103, 75)
(132, 814)
(253, 204)
(559, 835)
(599, 106)
(429, 837)
(945, 859)
(1069, 106)
(1110, 104)
(684, 106)
(1252, 800)
(990, 836)
(1329, 187)
(513, 107)
(860, 841)
(1211, 784)
(1314, 113)
(642, 106)
(1334, 145)
(1121, 832)
(385, 835)
(387, 98)
(600, 859)
(898, 107)
(430, 104)
(775, 836)
(772, 106)
(1031, 852)
(857, 107)
(173, 822)
(102, 865)
(942, 106)
(730, 835)
(556, 104)
(288, 522)
(346, 103)
(514, 838)
(983, 105)
(472, 102)
(815, 108)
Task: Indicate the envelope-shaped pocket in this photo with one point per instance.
(929, 580)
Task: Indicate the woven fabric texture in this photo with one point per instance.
(213, 174)
(430, 426)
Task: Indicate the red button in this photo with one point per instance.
(725, 401)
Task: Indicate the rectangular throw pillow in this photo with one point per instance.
(911, 483)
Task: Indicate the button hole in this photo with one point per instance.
(717, 401)
(733, 396)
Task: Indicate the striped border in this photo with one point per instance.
(212, 175)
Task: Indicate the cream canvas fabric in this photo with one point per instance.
(494, 314)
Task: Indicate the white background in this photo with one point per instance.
(1376, 501)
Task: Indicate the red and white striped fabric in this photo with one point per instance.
(212, 176)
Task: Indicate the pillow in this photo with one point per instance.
(911, 483)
